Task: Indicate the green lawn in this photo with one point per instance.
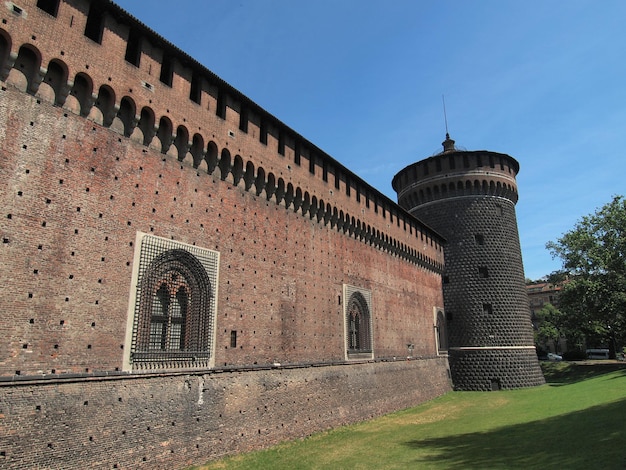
(576, 421)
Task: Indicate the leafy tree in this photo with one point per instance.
(594, 258)
(551, 325)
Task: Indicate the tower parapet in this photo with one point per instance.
(469, 197)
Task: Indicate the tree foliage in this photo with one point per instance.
(551, 325)
(594, 258)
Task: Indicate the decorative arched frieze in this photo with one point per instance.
(249, 175)
(211, 157)
(197, 150)
(54, 87)
(26, 74)
(237, 169)
(259, 181)
(224, 164)
(164, 137)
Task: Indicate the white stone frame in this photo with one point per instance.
(209, 259)
(438, 350)
(348, 291)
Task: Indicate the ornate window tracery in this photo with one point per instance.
(174, 306)
(358, 323)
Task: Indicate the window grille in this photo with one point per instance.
(174, 305)
(358, 322)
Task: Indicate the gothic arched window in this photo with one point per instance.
(174, 314)
(442, 332)
(358, 323)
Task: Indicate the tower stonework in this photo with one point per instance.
(469, 197)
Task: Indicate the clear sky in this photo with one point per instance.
(541, 80)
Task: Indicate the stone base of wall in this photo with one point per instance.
(172, 421)
(495, 369)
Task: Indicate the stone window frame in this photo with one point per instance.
(441, 331)
(359, 342)
(167, 330)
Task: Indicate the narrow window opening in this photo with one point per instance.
(347, 186)
(49, 6)
(195, 93)
(296, 154)
(220, 110)
(498, 210)
(312, 164)
(487, 309)
(167, 70)
(480, 239)
(483, 272)
(133, 48)
(95, 23)
(281, 143)
(263, 133)
(233, 339)
(243, 119)
(325, 170)
(451, 162)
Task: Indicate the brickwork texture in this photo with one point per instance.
(470, 198)
(107, 131)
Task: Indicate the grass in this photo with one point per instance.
(576, 421)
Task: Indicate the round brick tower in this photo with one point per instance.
(469, 197)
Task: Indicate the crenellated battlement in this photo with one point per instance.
(129, 79)
(455, 173)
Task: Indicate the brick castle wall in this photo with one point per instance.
(95, 149)
(178, 420)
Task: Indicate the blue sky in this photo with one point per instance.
(541, 80)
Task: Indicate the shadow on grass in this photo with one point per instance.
(592, 438)
(566, 373)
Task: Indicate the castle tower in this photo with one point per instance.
(469, 197)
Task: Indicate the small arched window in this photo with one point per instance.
(358, 323)
(442, 332)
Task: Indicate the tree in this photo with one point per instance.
(594, 257)
(551, 325)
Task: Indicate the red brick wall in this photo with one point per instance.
(71, 209)
(175, 421)
(73, 195)
(76, 193)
